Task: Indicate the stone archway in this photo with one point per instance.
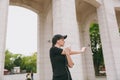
(84, 20)
(41, 7)
(43, 44)
(95, 14)
(53, 18)
(20, 4)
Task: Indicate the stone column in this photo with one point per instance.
(110, 39)
(40, 66)
(3, 24)
(64, 22)
(44, 44)
(88, 58)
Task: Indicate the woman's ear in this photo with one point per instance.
(58, 41)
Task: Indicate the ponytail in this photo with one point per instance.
(53, 45)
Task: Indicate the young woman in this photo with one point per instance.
(60, 58)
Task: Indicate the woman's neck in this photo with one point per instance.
(57, 46)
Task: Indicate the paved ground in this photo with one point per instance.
(23, 77)
(15, 77)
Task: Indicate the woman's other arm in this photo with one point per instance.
(69, 59)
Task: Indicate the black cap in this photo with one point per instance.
(57, 37)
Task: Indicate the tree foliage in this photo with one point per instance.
(27, 63)
(8, 60)
(96, 47)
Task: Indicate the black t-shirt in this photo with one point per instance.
(58, 61)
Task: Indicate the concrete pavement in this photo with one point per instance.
(23, 77)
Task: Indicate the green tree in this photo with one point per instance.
(9, 60)
(25, 62)
(29, 63)
(17, 61)
(34, 60)
(96, 47)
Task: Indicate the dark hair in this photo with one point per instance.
(57, 37)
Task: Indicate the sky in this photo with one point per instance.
(21, 31)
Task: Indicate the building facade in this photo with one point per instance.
(71, 17)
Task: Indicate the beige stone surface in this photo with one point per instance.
(71, 17)
(3, 27)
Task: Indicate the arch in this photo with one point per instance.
(22, 28)
(84, 20)
(80, 8)
(25, 6)
(94, 3)
(43, 28)
(92, 18)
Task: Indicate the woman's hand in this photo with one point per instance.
(67, 51)
(83, 49)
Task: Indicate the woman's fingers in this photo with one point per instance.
(83, 49)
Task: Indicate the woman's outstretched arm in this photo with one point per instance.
(78, 52)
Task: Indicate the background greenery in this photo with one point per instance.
(27, 63)
(96, 48)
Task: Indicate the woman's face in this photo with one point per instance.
(61, 42)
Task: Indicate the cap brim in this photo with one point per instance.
(65, 36)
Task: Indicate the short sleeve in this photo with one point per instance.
(56, 51)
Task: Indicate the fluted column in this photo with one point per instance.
(3, 24)
(64, 22)
(110, 39)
